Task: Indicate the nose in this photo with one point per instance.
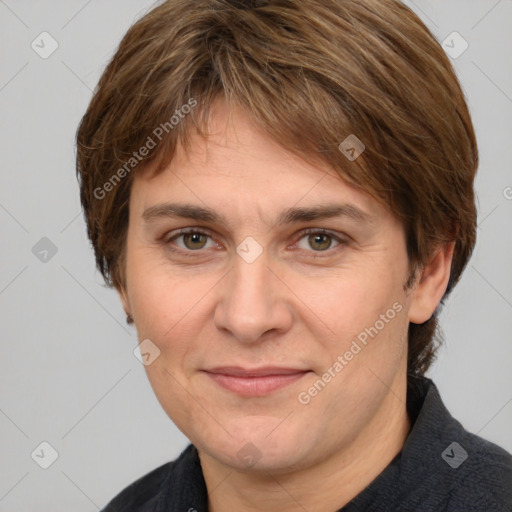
(253, 302)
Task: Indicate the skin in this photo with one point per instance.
(298, 305)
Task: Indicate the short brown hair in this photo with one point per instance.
(310, 72)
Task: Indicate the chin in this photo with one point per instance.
(256, 445)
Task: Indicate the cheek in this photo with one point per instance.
(169, 311)
(347, 304)
(157, 313)
(163, 302)
(366, 316)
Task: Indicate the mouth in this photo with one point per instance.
(254, 382)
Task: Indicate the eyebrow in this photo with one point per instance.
(289, 216)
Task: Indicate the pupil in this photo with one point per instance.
(195, 240)
(321, 241)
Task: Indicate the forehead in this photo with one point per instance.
(239, 167)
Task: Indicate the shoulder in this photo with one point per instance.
(141, 494)
(444, 467)
(147, 492)
(485, 479)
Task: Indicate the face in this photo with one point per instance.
(274, 293)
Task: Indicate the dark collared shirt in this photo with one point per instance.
(441, 468)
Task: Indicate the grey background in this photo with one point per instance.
(69, 376)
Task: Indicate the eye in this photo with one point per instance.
(319, 241)
(188, 241)
(191, 240)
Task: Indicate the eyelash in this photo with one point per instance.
(202, 231)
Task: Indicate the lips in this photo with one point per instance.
(254, 381)
(236, 371)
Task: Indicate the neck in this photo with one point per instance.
(337, 479)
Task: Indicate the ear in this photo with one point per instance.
(431, 285)
(124, 300)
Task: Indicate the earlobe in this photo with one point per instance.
(431, 285)
(123, 296)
